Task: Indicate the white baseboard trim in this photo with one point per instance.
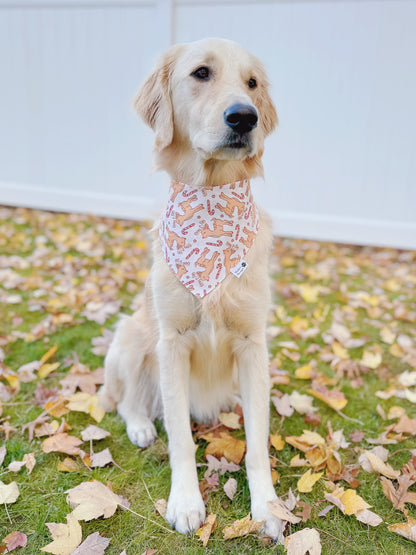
(285, 224)
(338, 229)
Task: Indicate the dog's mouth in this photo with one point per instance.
(237, 141)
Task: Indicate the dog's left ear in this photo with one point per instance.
(267, 111)
(268, 115)
(153, 102)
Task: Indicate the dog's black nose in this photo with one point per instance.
(242, 118)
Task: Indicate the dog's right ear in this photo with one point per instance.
(153, 102)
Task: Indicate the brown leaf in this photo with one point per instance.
(68, 465)
(406, 425)
(225, 446)
(63, 443)
(241, 527)
(399, 496)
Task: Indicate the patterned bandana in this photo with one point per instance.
(206, 232)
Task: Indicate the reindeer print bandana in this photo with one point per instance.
(206, 232)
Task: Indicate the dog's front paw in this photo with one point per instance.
(186, 511)
(141, 432)
(273, 526)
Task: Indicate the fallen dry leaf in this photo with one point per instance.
(303, 542)
(230, 420)
(225, 446)
(405, 529)
(230, 487)
(332, 397)
(161, 506)
(102, 458)
(307, 481)
(13, 540)
(241, 527)
(381, 467)
(279, 509)
(63, 443)
(68, 465)
(93, 432)
(84, 402)
(94, 544)
(277, 441)
(206, 529)
(92, 500)
(8, 492)
(66, 537)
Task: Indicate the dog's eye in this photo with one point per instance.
(202, 73)
(252, 83)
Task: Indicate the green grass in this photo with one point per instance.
(118, 271)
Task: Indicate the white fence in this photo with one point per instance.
(342, 165)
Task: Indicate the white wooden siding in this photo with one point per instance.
(342, 165)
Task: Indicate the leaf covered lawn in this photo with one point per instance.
(343, 408)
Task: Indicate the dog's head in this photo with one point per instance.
(211, 97)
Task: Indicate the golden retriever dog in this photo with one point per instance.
(183, 354)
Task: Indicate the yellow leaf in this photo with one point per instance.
(352, 501)
(309, 293)
(47, 368)
(371, 360)
(57, 408)
(298, 324)
(241, 527)
(68, 465)
(13, 382)
(339, 350)
(396, 350)
(49, 354)
(387, 336)
(277, 441)
(332, 397)
(307, 481)
(66, 537)
(305, 372)
(206, 529)
(312, 438)
(84, 402)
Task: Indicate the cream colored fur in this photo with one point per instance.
(178, 355)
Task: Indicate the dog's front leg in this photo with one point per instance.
(186, 509)
(252, 361)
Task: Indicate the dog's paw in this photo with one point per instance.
(273, 526)
(142, 432)
(186, 511)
